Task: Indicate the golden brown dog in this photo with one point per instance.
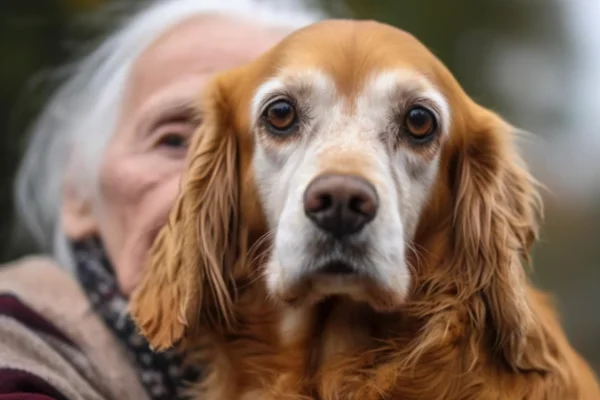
(352, 225)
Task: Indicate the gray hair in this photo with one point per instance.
(84, 110)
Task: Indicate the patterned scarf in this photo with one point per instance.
(160, 373)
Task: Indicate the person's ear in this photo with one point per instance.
(76, 214)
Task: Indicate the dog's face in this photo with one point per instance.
(347, 149)
(352, 153)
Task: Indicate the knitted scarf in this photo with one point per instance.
(162, 374)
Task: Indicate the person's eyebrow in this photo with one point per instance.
(168, 110)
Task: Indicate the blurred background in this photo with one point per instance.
(537, 62)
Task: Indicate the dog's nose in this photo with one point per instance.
(340, 204)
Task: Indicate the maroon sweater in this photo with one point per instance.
(52, 345)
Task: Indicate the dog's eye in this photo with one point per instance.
(280, 117)
(420, 124)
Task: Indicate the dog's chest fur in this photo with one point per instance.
(343, 350)
(300, 353)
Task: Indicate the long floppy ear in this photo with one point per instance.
(188, 280)
(496, 208)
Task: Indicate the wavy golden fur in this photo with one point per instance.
(471, 326)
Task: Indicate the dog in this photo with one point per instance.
(352, 225)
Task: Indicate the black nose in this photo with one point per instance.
(340, 204)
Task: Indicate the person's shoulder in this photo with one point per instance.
(23, 270)
(33, 262)
(33, 349)
(50, 334)
(28, 288)
(44, 286)
(34, 354)
(25, 286)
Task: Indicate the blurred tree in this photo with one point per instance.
(33, 41)
(460, 32)
(29, 35)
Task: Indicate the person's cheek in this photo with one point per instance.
(151, 215)
(112, 209)
(124, 194)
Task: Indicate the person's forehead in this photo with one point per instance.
(200, 45)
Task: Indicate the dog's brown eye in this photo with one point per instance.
(280, 117)
(420, 123)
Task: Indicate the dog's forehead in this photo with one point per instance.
(349, 52)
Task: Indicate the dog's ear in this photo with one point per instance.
(496, 212)
(188, 278)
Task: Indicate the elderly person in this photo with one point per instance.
(96, 184)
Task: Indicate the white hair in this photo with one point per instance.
(84, 110)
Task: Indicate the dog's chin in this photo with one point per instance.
(337, 282)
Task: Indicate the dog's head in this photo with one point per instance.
(351, 153)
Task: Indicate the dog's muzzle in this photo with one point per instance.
(340, 206)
